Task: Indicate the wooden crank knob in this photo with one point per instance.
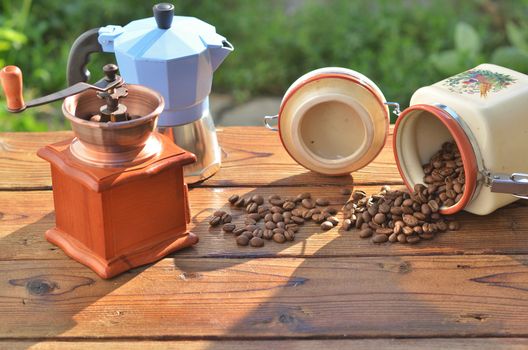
(11, 78)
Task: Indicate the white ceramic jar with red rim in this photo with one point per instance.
(335, 121)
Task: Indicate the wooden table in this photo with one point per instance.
(324, 290)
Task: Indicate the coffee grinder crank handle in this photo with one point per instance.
(12, 83)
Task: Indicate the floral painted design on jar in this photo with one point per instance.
(480, 81)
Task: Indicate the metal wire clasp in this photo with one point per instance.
(396, 106)
(267, 120)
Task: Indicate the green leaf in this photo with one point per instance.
(511, 57)
(516, 36)
(12, 35)
(467, 39)
(447, 62)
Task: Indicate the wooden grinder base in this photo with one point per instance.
(115, 219)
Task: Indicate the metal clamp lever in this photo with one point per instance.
(515, 184)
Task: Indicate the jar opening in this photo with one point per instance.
(420, 132)
(322, 126)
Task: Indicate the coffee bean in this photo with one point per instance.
(252, 208)
(277, 217)
(384, 231)
(215, 221)
(358, 194)
(298, 220)
(402, 238)
(289, 235)
(268, 234)
(373, 210)
(419, 215)
(258, 232)
(427, 235)
(327, 225)
(256, 242)
(345, 191)
(308, 203)
(281, 224)
(304, 195)
(292, 227)
(297, 212)
(239, 203)
(413, 239)
(407, 230)
(322, 202)
(379, 238)
(279, 230)
(426, 210)
(333, 220)
(308, 214)
(393, 238)
(347, 224)
(288, 206)
(365, 233)
(233, 198)
(276, 201)
(226, 218)
(331, 210)
(242, 240)
(254, 216)
(385, 188)
(449, 202)
(379, 218)
(384, 208)
(238, 231)
(251, 227)
(257, 199)
(454, 226)
(410, 220)
(229, 227)
(249, 221)
(263, 210)
(276, 209)
(270, 225)
(442, 226)
(279, 238)
(407, 203)
(219, 213)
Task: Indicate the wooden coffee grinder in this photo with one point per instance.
(118, 187)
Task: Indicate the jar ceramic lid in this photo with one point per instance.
(333, 120)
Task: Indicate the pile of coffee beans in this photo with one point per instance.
(396, 216)
(444, 175)
(275, 219)
(388, 216)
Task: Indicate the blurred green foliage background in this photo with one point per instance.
(401, 45)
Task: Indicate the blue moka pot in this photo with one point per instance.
(176, 56)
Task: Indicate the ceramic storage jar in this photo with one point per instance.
(335, 121)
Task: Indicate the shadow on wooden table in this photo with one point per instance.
(390, 295)
(52, 292)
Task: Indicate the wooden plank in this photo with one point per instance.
(357, 344)
(25, 216)
(20, 168)
(252, 156)
(454, 296)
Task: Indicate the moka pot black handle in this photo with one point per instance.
(79, 56)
